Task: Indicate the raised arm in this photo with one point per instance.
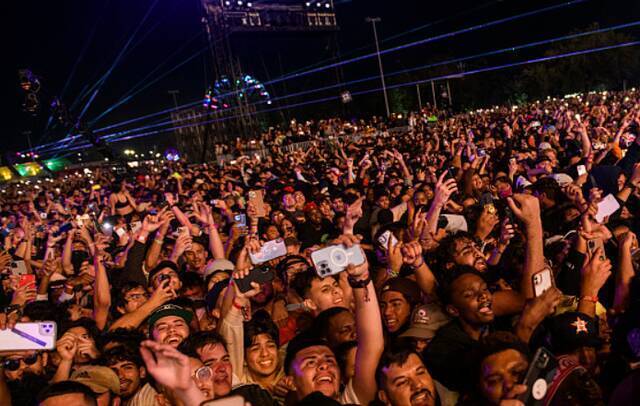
(527, 209)
(101, 288)
(625, 271)
(368, 327)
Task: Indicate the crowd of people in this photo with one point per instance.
(498, 258)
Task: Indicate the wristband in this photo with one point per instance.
(592, 299)
(159, 241)
(414, 267)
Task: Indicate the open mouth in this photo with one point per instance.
(422, 397)
(324, 380)
(174, 340)
(485, 308)
(266, 363)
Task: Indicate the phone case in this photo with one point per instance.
(384, 240)
(257, 200)
(270, 250)
(542, 281)
(18, 268)
(334, 259)
(29, 336)
(262, 274)
(26, 280)
(539, 377)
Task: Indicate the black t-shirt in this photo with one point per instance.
(309, 234)
(448, 357)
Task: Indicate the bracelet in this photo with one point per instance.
(156, 240)
(243, 309)
(414, 267)
(592, 299)
(358, 283)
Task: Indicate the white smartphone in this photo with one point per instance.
(120, 232)
(607, 207)
(582, 170)
(135, 226)
(270, 250)
(29, 336)
(334, 259)
(18, 267)
(384, 240)
(542, 281)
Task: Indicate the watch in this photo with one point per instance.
(11, 308)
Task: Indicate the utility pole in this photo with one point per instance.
(373, 21)
(174, 93)
(433, 94)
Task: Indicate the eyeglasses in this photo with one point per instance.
(14, 363)
(202, 374)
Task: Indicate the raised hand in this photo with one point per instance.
(595, 272)
(525, 207)
(67, 347)
(412, 254)
(167, 365)
(444, 189)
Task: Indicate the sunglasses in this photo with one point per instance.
(14, 364)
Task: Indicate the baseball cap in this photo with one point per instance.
(544, 146)
(408, 288)
(572, 330)
(162, 265)
(562, 178)
(99, 378)
(169, 310)
(425, 321)
(218, 265)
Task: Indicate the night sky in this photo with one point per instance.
(53, 37)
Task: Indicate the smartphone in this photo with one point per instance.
(64, 228)
(607, 207)
(542, 281)
(256, 198)
(261, 274)
(384, 240)
(582, 170)
(293, 307)
(26, 280)
(240, 219)
(135, 226)
(231, 401)
(594, 245)
(18, 267)
(539, 377)
(29, 336)
(120, 232)
(270, 250)
(334, 259)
